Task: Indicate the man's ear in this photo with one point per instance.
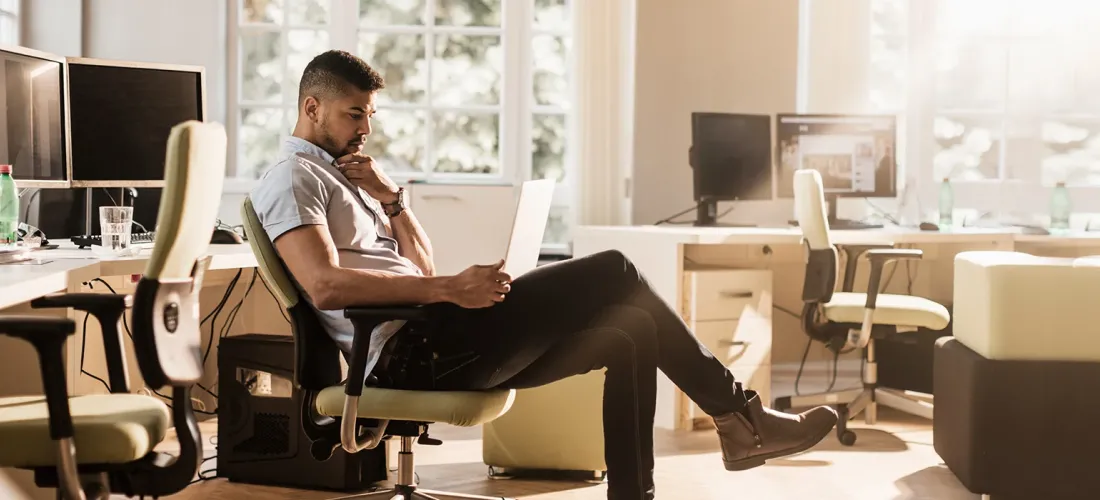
(312, 108)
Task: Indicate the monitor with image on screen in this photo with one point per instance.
(855, 155)
(34, 122)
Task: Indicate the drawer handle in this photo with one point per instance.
(735, 294)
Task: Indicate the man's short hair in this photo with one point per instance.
(330, 73)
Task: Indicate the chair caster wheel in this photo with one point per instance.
(847, 438)
(598, 477)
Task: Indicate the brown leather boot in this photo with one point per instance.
(757, 433)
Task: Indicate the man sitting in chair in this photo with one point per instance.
(342, 228)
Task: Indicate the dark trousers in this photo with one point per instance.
(569, 318)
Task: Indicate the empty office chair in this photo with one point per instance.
(346, 413)
(88, 446)
(847, 320)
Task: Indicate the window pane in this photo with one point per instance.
(400, 59)
(467, 12)
(548, 139)
(467, 70)
(888, 17)
(467, 143)
(1070, 152)
(1038, 78)
(967, 18)
(1044, 17)
(551, 64)
(888, 74)
(970, 76)
(262, 11)
(11, 6)
(391, 12)
(551, 15)
(9, 30)
(258, 140)
(307, 12)
(397, 140)
(303, 46)
(558, 226)
(261, 66)
(967, 148)
(1087, 76)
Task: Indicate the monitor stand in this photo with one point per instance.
(706, 215)
(838, 224)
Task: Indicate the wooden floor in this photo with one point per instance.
(892, 460)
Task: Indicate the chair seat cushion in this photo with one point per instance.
(108, 429)
(890, 309)
(461, 408)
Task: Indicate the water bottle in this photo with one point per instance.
(1060, 207)
(947, 204)
(9, 208)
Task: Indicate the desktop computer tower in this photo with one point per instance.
(260, 436)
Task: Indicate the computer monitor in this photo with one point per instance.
(122, 113)
(34, 122)
(731, 160)
(63, 213)
(855, 155)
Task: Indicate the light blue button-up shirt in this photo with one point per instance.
(304, 187)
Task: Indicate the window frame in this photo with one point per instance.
(15, 15)
(516, 110)
(1023, 196)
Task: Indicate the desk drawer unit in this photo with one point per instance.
(730, 311)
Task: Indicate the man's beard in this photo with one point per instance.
(336, 147)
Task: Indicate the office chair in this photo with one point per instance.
(848, 320)
(348, 413)
(89, 446)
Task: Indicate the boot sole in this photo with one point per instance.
(758, 460)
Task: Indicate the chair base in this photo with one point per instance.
(866, 400)
(411, 492)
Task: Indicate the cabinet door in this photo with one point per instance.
(467, 225)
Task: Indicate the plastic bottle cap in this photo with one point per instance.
(5, 169)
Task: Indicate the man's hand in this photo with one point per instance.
(364, 172)
(479, 286)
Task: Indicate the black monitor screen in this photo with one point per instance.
(731, 156)
(32, 129)
(121, 118)
(855, 155)
(62, 213)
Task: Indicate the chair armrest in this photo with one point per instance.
(852, 254)
(365, 319)
(878, 258)
(47, 335)
(108, 310)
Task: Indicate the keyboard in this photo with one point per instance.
(136, 239)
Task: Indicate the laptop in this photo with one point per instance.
(528, 227)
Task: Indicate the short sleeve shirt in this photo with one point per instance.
(305, 188)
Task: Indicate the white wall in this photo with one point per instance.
(53, 26)
(182, 32)
(705, 55)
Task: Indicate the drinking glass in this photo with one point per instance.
(114, 227)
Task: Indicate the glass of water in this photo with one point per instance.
(114, 227)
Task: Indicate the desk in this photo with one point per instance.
(69, 269)
(716, 278)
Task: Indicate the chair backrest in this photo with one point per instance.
(317, 358)
(822, 265)
(167, 337)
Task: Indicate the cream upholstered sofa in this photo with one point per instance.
(1016, 388)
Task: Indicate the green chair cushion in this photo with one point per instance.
(461, 408)
(108, 429)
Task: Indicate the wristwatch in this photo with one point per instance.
(397, 206)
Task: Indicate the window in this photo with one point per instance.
(9, 22)
(476, 90)
(997, 94)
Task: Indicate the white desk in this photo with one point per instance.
(68, 269)
(693, 268)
